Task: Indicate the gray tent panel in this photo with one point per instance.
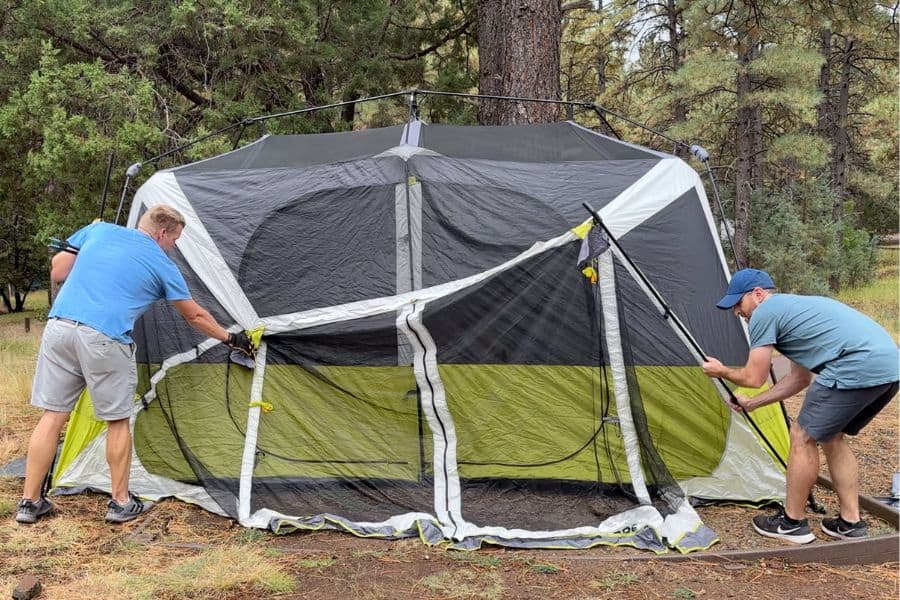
(302, 150)
(549, 142)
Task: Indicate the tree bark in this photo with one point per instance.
(518, 55)
(677, 56)
(748, 174)
(825, 119)
(840, 151)
(841, 136)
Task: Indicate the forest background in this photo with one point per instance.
(796, 102)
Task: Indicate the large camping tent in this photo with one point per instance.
(434, 360)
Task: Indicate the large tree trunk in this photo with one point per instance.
(840, 150)
(677, 56)
(748, 173)
(518, 55)
(841, 136)
(825, 119)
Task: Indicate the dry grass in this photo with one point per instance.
(18, 352)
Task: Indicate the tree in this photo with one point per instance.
(518, 56)
(53, 128)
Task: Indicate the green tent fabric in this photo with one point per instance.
(434, 363)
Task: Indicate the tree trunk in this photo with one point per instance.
(5, 297)
(748, 173)
(840, 151)
(841, 137)
(825, 119)
(677, 56)
(518, 55)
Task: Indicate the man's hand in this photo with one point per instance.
(240, 341)
(713, 367)
(739, 404)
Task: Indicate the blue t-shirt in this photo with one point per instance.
(845, 348)
(117, 275)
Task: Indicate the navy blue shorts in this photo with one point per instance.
(829, 411)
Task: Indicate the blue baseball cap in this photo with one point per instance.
(745, 280)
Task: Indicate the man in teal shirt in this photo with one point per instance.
(855, 363)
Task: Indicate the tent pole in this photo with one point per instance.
(687, 334)
(109, 164)
(130, 173)
(703, 156)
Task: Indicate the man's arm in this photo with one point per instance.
(751, 375)
(797, 379)
(61, 265)
(200, 319)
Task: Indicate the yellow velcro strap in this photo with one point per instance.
(582, 230)
(255, 335)
(265, 406)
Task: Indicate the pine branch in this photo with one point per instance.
(451, 35)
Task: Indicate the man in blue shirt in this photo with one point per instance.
(113, 276)
(855, 363)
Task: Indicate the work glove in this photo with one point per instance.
(240, 341)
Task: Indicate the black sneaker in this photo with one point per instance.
(777, 526)
(839, 528)
(29, 511)
(120, 513)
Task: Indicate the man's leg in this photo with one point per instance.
(118, 455)
(844, 475)
(802, 471)
(41, 451)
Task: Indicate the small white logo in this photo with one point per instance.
(791, 530)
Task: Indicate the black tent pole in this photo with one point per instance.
(703, 156)
(687, 334)
(109, 165)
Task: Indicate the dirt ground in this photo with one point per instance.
(329, 564)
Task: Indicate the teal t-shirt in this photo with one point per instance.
(117, 275)
(845, 348)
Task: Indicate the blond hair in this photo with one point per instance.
(161, 217)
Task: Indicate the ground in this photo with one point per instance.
(179, 551)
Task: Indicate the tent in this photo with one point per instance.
(444, 350)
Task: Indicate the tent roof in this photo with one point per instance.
(549, 142)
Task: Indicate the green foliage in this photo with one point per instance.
(799, 151)
(797, 241)
(81, 80)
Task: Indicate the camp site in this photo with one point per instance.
(478, 317)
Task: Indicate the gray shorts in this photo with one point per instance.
(74, 356)
(828, 411)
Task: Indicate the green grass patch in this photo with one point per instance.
(251, 536)
(475, 559)
(614, 581)
(881, 299)
(544, 568)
